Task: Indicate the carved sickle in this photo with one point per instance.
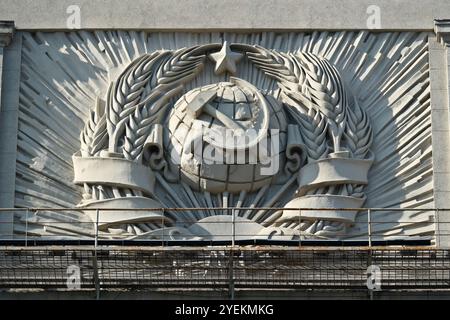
(201, 104)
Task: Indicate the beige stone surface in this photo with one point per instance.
(225, 14)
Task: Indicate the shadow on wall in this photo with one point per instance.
(63, 74)
(392, 84)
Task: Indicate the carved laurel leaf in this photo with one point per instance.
(358, 133)
(86, 135)
(279, 66)
(307, 81)
(177, 69)
(314, 129)
(126, 92)
(94, 137)
(355, 190)
(324, 87)
(145, 83)
(180, 67)
(136, 132)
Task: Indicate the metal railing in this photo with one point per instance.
(176, 217)
(221, 265)
(225, 269)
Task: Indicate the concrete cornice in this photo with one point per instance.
(224, 15)
(442, 30)
(6, 32)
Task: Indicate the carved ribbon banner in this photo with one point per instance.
(107, 218)
(319, 85)
(328, 172)
(113, 171)
(323, 201)
(128, 144)
(318, 100)
(332, 171)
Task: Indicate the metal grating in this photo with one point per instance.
(223, 267)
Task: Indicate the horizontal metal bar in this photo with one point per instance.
(417, 268)
(101, 247)
(399, 222)
(221, 208)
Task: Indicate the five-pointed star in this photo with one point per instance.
(225, 59)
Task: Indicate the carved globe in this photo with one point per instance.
(231, 110)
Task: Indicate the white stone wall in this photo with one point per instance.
(51, 79)
(62, 74)
(293, 15)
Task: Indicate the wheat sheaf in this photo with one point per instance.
(358, 134)
(126, 93)
(133, 103)
(94, 137)
(319, 102)
(310, 84)
(135, 99)
(180, 67)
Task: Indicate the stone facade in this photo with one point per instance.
(106, 116)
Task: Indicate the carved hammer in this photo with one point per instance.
(200, 104)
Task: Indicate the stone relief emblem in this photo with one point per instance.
(150, 143)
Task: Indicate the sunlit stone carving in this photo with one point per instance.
(356, 132)
(238, 115)
(220, 137)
